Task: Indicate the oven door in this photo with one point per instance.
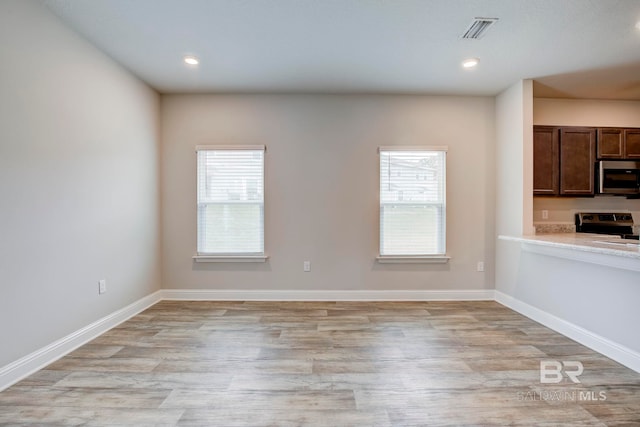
(619, 177)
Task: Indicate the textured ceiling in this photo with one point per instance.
(572, 48)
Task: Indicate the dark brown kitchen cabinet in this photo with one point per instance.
(610, 143)
(632, 143)
(577, 161)
(618, 143)
(545, 161)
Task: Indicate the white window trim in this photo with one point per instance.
(232, 258)
(414, 148)
(422, 259)
(416, 259)
(230, 147)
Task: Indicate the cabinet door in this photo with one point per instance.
(545, 161)
(632, 143)
(577, 161)
(610, 143)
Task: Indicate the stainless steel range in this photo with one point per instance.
(620, 223)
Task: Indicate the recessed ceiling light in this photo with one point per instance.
(191, 60)
(638, 25)
(470, 63)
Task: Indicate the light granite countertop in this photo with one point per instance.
(584, 242)
(554, 227)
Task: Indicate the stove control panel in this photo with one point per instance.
(620, 218)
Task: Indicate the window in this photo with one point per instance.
(412, 202)
(230, 202)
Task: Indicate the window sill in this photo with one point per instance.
(429, 259)
(230, 258)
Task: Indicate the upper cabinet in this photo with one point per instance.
(577, 161)
(546, 171)
(564, 161)
(632, 143)
(618, 143)
(610, 143)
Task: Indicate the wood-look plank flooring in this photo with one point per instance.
(325, 364)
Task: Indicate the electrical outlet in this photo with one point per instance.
(545, 214)
(307, 266)
(480, 266)
(102, 286)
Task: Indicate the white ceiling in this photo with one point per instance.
(572, 48)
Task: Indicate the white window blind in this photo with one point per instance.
(230, 200)
(412, 201)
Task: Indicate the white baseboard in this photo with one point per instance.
(611, 349)
(29, 364)
(328, 295)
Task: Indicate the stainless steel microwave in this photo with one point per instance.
(620, 177)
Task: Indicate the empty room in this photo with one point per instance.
(319, 212)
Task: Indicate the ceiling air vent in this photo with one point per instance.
(478, 28)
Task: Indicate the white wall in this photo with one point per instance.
(599, 299)
(322, 187)
(581, 112)
(514, 185)
(78, 182)
(586, 112)
(563, 209)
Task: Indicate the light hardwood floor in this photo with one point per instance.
(324, 363)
